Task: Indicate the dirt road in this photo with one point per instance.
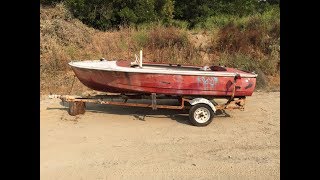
(111, 142)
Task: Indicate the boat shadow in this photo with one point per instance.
(139, 113)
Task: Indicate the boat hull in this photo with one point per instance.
(170, 84)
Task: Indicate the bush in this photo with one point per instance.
(161, 37)
(239, 61)
(252, 37)
(141, 38)
(180, 24)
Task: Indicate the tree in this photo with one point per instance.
(165, 9)
(145, 10)
(106, 14)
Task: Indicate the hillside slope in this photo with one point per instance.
(250, 43)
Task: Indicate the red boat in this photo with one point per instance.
(122, 77)
(197, 86)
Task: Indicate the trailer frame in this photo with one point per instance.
(77, 104)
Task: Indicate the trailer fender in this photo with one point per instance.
(204, 101)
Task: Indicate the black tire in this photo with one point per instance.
(205, 110)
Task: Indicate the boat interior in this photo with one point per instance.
(171, 67)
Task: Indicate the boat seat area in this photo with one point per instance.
(217, 68)
(125, 63)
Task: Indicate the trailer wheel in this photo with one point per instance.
(201, 115)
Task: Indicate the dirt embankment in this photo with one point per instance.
(111, 142)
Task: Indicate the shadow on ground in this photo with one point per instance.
(140, 113)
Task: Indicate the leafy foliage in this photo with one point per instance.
(106, 14)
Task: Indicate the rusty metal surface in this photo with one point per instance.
(233, 104)
(125, 103)
(131, 104)
(154, 101)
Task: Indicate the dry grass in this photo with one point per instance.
(253, 39)
(64, 38)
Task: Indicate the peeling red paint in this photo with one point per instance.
(126, 82)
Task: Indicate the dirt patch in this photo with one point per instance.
(110, 142)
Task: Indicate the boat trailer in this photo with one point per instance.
(201, 109)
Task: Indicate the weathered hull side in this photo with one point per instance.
(129, 82)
